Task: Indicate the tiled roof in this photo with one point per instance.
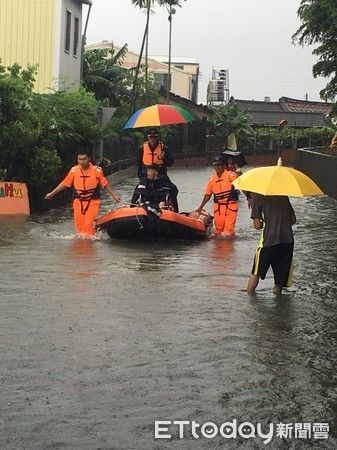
(270, 113)
(261, 114)
(291, 104)
(256, 106)
(188, 104)
(302, 120)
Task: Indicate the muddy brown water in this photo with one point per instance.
(101, 339)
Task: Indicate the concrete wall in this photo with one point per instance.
(319, 167)
(288, 157)
(68, 65)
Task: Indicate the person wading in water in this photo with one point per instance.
(86, 180)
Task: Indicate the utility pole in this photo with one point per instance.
(84, 37)
(171, 11)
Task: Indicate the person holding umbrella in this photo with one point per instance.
(153, 151)
(233, 159)
(275, 216)
(270, 187)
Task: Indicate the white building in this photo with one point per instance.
(184, 71)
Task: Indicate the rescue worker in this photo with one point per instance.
(225, 199)
(153, 151)
(157, 191)
(86, 180)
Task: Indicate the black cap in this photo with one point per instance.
(217, 161)
(153, 132)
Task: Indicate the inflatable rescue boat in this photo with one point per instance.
(153, 223)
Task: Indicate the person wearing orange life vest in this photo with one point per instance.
(225, 199)
(151, 152)
(86, 180)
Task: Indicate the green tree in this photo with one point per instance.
(170, 5)
(104, 76)
(228, 119)
(141, 99)
(142, 4)
(41, 132)
(43, 165)
(65, 121)
(16, 118)
(315, 136)
(112, 86)
(268, 137)
(319, 26)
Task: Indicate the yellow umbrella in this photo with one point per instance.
(277, 180)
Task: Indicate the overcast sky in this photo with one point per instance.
(250, 38)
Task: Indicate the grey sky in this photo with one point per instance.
(250, 38)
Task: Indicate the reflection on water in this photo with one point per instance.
(82, 258)
(102, 338)
(223, 252)
(12, 227)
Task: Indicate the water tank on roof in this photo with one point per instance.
(216, 91)
(221, 74)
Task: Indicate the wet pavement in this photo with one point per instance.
(101, 339)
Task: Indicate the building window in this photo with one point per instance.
(179, 67)
(161, 80)
(68, 31)
(76, 35)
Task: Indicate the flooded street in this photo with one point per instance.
(100, 339)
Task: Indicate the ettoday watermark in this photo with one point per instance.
(245, 430)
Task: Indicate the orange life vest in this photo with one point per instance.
(153, 157)
(222, 188)
(85, 183)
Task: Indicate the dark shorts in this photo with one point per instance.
(280, 258)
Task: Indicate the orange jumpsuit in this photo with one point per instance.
(86, 195)
(225, 202)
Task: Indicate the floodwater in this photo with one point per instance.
(100, 339)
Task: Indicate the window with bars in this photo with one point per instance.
(161, 79)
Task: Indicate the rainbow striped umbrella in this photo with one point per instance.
(158, 115)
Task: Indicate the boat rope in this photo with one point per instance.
(139, 222)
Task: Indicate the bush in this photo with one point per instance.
(44, 164)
